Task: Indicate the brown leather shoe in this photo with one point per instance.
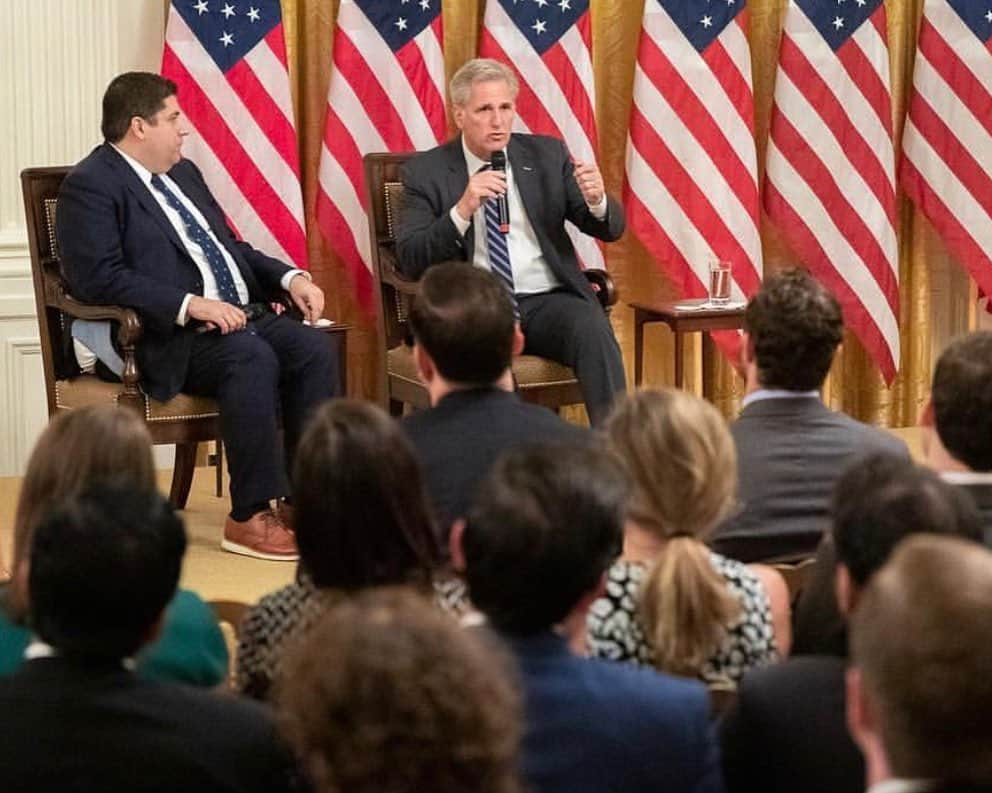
(262, 536)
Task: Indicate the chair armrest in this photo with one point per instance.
(390, 273)
(603, 285)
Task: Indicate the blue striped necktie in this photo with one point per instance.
(222, 273)
(499, 251)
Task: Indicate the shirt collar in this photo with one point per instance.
(777, 393)
(39, 649)
(967, 477)
(143, 173)
(475, 163)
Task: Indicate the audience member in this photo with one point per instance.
(386, 695)
(957, 443)
(104, 564)
(790, 447)
(919, 693)
(544, 529)
(362, 520)
(79, 448)
(137, 225)
(787, 730)
(957, 421)
(466, 337)
(449, 212)
(669, 601)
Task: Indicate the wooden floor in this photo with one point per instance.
(214, 573)
(208, 570)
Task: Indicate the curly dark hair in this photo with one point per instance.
(795, 325)
(388, 695)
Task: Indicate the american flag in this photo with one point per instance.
(947, 144)
(386, 94)
(549, 44)
(228, 60)
(692, 188)
(830, 183)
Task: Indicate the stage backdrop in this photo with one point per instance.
(936, 297)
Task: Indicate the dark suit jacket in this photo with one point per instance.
(69, 727)
(118, 246)
(458, 439)
(790, 452)
(787, 731)
(542, 171)
(594, 726)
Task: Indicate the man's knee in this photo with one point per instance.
(248, 354)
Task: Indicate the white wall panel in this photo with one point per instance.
(56, 58)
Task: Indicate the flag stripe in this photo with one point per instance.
(256, 186)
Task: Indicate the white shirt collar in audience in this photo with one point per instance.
(902, 786)
(967, 477)
(776, 393)
(39, 649)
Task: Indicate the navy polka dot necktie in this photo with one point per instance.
(222, 273)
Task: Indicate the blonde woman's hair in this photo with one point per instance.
(679, 454)
(480, 70)
(76, 449)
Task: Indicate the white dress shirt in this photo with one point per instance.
(196, 253)
(531, 273)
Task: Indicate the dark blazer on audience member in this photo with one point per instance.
(71, 727)
(789, 454)
(787, 731)
(594, 726)
(458, 439)
(118, 246)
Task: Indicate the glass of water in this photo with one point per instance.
(719, 291)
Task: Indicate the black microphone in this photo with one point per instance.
(498, 163)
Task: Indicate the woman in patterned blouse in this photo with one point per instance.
(669, 601)
(361, 520)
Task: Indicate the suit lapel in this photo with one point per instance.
(142, 194)
(527, 182)
(457, 178)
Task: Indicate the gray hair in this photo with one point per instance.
(480, 70)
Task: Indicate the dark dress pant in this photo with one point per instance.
(567, 328)
(274, 366)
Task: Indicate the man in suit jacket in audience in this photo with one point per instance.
(791, 448)
(787, 731)
(919, 696)
(465, 338)
(75, 717)
(544, 529)
(137, 226)
(957, 443)
(448, 191)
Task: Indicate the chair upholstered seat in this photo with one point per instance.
(88, 389)
(531, 371)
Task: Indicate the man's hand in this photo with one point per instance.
(309, 297)
(216, 314)
(590, 182)
(481, 185)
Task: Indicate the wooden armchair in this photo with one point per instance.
(539, 380)
(184, 420)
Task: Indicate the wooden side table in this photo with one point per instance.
(681, 318)
(337, 336)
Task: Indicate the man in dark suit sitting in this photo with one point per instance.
(544, 529)
(957, 421)
(138, 226)
(450, 197)
(919, 693)
(75, 717)
(791, 448)
(465, 338)
(787, 730)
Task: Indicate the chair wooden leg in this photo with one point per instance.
(220, 468)
(182, 474)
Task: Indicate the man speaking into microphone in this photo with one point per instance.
(500, 201)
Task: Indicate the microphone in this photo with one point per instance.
(498, 163)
